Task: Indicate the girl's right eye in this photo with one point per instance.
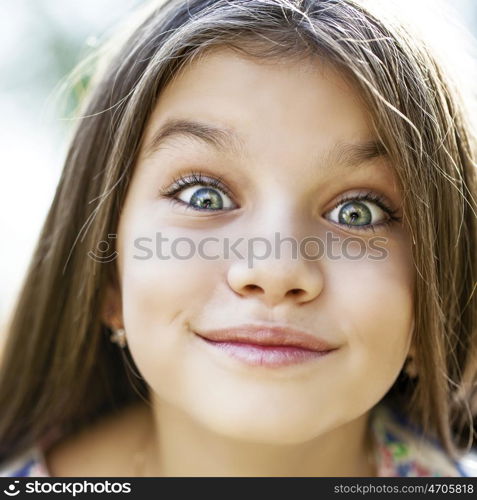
(200, 193)
(206, 198)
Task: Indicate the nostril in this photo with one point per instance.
(252, 287)
(295, 291)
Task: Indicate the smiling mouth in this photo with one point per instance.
(267, 346)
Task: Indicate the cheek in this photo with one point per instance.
(161, 290)
(373, 302)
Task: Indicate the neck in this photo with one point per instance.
(182, 447)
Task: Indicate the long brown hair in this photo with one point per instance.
(59, 369)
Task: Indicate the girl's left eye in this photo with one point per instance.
(362, 212)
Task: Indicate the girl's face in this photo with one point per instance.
(292, 153)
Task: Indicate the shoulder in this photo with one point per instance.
(29, 463)
(403, 450)
(101, 449)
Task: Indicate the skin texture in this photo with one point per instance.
(210, 414)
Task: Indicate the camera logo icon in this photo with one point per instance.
(103, 253)
(12, 491)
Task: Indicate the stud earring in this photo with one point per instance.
(410, 368)
(119, 337)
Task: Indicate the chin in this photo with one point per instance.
(264, 427)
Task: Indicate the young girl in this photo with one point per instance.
(260, 259)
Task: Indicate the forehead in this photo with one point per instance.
(303, 99)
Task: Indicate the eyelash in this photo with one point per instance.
(196, 178)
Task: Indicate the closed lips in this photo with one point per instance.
(266, 346)
(267, 336)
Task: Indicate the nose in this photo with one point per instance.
(276, 280)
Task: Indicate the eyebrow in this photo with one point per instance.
(225, 139)
(220, 138)
(351, 154)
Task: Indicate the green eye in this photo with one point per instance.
(355, 213)
(361, 213)
(205, 198)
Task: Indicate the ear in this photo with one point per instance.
(111, 309)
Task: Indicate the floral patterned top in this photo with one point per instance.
(403, 451)
(400, 451)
